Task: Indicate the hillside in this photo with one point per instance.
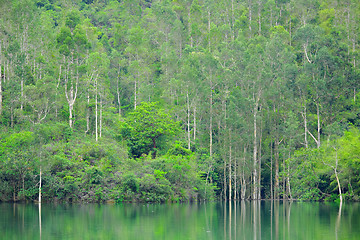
(183, 100)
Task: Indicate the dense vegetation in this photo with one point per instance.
(159, 100)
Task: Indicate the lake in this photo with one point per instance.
(235, 220)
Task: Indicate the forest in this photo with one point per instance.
(179, 100)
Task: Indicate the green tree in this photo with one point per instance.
(145, 126)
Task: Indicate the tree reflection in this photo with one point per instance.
(226, 220)
(40, 219)
(338, 220)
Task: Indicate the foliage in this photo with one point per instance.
(179, 100)
(144, 128)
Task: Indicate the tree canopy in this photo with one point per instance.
(179, 100)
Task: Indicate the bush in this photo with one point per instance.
(155, 190)
(130, 183)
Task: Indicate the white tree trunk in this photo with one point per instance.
(88, 113)
(337, 177)
(71, 95)
(135, 94)
(1, 81)
(40, 186)
(96, 111)
(100, 120)
(188, 120)
(118, 91)
(230, 162)
(255, 164)
(194, 123)
(211, 118)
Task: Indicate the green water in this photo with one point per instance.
(240, 220)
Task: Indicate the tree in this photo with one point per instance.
(17, 163)
(145, 126)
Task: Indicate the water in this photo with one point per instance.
(236, 220)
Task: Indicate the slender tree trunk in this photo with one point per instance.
(277, 182)
(100, 120)
(88, 113)
(72, 94)
(353, 48)
(224, 176)
(230, 162)
(259, 16)
(5, 70)
(318, 125)
(135, 94)
(337, 177)
(23, 184)
(235, 176)
(188, 119)
(8, 63)
(0, 91)
(354, 94)
(284, 179)
(22, 91)
(211, 117)
(255, 174)
(209, 30)
(14, 193)
(194, 122)
(56, 93)
(189, 27)
(318, 128)
(118, 90)
(96, 110)
(259, 164)
(232, 20)
(1, 77)
(250, 15)
(290, 35)
(71, 107)
(305, 127)
(243, 179)
(40, 186)
(271, 171)
(288, 189)
(12, 117)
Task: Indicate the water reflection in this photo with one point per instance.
(338, 219)
(40, 219)
(223, 220)
(289, 220)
